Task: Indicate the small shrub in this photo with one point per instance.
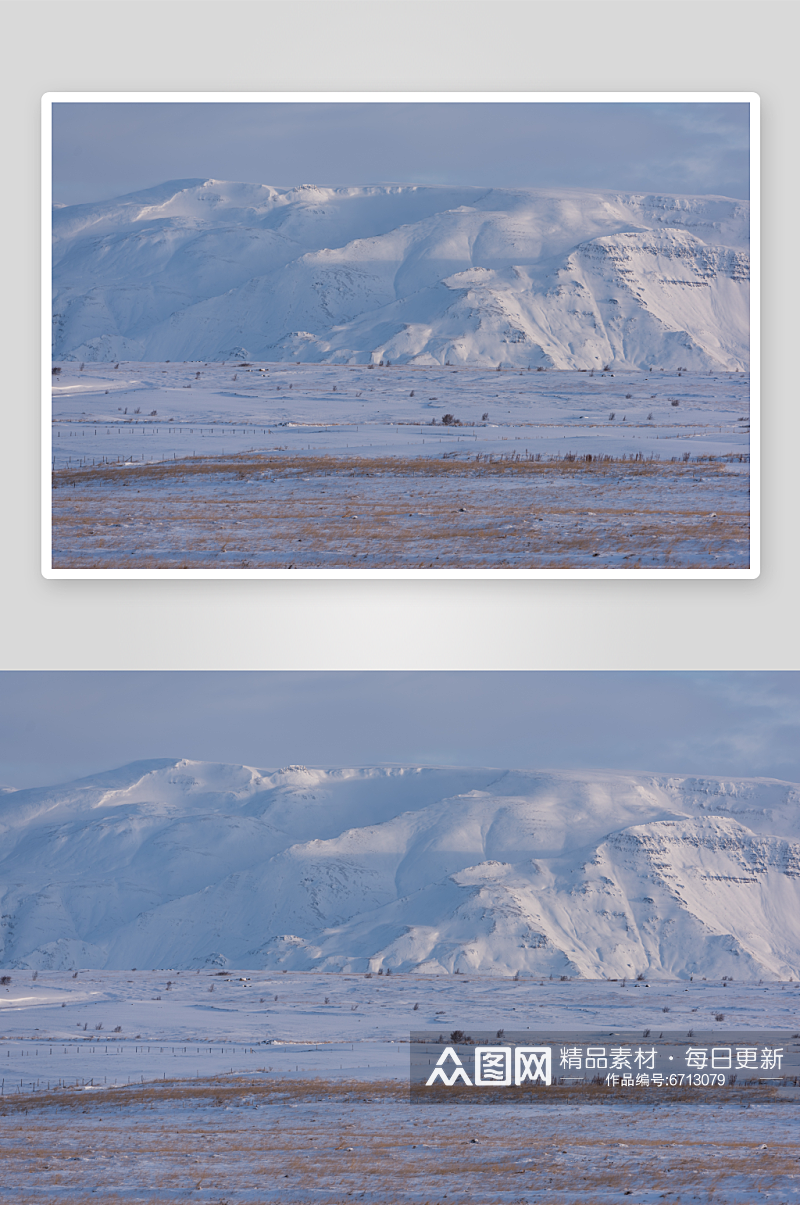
(628, 397)
(416, 1008)
(612, 416)
(640, 977)
(35, 975)
(457, 1036)
(153, 413)
(665, 1009)
(501, 1033)
(117, 1029)
(56, 371)
(5, 979)
(484, 416)
(327, 1001)
(719, 1016)
(674, 402)
(75, 975)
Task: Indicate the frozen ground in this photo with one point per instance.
(335, 409)
(336, 1026)
(323, 466)
(220, 1126)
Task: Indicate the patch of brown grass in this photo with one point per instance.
(263, 1140)
(440, 514)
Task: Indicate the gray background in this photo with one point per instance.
(567, 45)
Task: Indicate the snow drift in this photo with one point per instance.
(209, 270)
(186, 864)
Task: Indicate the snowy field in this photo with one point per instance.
(334, 1026)
(212, 466)
(232, 1095)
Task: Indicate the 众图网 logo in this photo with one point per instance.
(492, 1066)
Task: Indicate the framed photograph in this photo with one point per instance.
(504, 335)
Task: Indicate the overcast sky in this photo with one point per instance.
(55, 726)
(103, 150)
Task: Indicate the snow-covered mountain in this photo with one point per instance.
(185, 864)
(208, 270)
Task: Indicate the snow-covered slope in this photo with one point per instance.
(184, 864)
(208, 270)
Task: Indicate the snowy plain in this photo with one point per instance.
(305, 1098)
(252, 467)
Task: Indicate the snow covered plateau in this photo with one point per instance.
(568, 279)
(431, 871)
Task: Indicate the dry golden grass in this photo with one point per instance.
(258, 1140)
(290, 512)
(244, 465)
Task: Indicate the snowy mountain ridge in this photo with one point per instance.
(180, 864)
(212, 270)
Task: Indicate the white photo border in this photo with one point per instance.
(750, 98)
